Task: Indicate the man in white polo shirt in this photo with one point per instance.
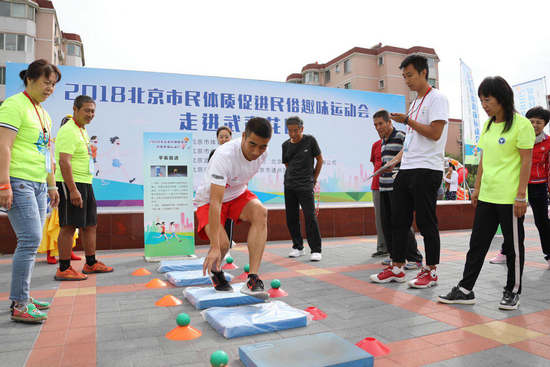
(224, 195)
(422, 164)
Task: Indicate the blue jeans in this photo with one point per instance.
(26, 216)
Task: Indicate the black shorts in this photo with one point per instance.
(70, 215)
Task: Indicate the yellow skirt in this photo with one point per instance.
(50, 234)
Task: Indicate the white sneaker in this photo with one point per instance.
(315, 256)
(499, 259)
(296, 253)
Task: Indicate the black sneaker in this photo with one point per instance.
(457, 296)
(255, 287)
(380, 254)
(510, 301)
(220, 283)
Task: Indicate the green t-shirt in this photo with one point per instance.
(501, 159)
(74, 141)
(28, 153)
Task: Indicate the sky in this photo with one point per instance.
(268, 40)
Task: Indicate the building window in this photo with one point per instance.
(347, 66)
(347, 85)
(337, 68)
(16, 10)
(380, 60)
(431, 81)
(311, 77)
(30, 44)
(327, 76)
(381, 84)
(12, 42)
(2, 75)
(73, 50)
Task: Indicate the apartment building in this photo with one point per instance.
(29, 30)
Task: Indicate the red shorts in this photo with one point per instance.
(232, 210)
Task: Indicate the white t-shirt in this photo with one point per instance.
(453, 181)
(419, 151)
(228, 167)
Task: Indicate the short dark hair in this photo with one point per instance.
(294, 120)
(539, 113)
(113, 139)
(38, 68)
(80, 100)
(497, 87)
(221, 128)
(259, 126)
(383, 114)
(418, 62)
(93, 137)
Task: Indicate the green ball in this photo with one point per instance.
(183, 319)
(229, 260)
(247, 268)
(219, 358)
(275, 283)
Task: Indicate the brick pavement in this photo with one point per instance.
(111, 319)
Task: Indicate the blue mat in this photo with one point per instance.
(207, 297)
(233, 322)
(193, 277)
(318, 350)
(180, 265)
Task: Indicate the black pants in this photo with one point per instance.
(487, 218)
(538, 199)
(412, 254)
(416, 190)
(293, 200)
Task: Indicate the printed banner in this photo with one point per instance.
(470, 116)
(530, 94)
(130, 103)
(168, 194)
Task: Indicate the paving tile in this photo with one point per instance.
(502, 332)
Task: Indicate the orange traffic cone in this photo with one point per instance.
(168, 301)
(373, 347)
(156, 283)
(183, 331)
(141, 272)
(316, 313)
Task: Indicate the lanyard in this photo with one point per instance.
(420, 105)
(44, 130)
(84, 138)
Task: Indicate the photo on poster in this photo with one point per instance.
(177, 171)
(158, 171)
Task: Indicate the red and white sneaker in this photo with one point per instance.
(389, 274)
(425, 279)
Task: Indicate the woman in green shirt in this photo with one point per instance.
(506, 141)
(26, 177)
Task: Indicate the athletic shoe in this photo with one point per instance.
(389, 274)
(220, 283)
(386, 261)
(425, 279)
(40, 305)
(315, 256)
(457, 296)
(75, 257)
(499, 259)
(98, 267)
(254, 287)
(380, 254)
(295, 252)
(28, 313)
(510, 301)
(69, 274)
(51, 259)
(413, 265)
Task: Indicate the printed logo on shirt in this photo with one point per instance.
(501, 141)
(217, 177)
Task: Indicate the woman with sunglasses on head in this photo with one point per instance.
(500, 194)
(26, 179)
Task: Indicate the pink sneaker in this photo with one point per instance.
(389, 274)
(499, 259)
(425, 279)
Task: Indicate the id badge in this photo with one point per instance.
(407, 141)
(48, 161)
(91, 166)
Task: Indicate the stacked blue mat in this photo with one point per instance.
(180, 265)
(187, 278)
(234, 322)
(206, 297)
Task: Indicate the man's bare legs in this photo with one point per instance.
(255, 214)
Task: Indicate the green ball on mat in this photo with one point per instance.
(229, 260)
(183, 319)
(219, 358)
(247, 268)
(275, 283)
